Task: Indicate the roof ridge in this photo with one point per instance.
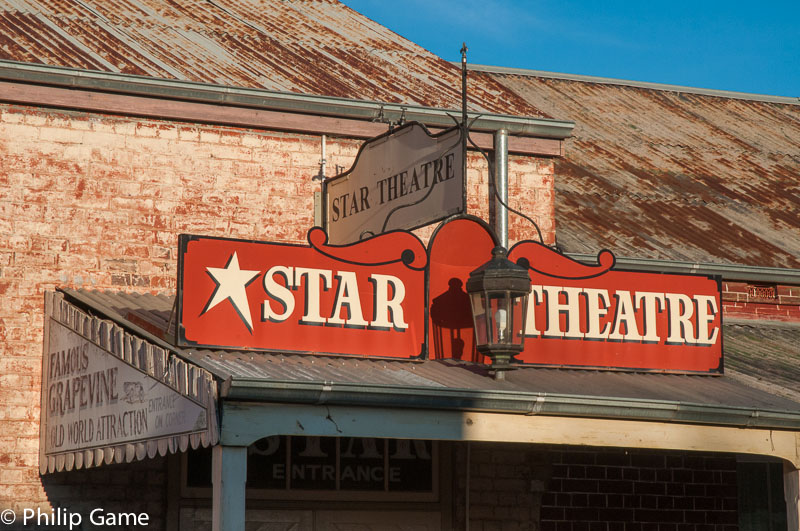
(766, 98)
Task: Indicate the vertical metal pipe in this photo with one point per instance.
(323, 161)
(319, 197)
(500, 186)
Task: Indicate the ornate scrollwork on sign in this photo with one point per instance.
(388, 248)
(532, 254)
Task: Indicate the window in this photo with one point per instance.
(762, 506)
(282, 467)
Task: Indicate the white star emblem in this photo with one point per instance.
(231, 283)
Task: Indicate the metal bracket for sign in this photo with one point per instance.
(363, 189)
(464, 126)
(318, 209)
(427, 194)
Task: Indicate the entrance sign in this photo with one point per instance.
(401, 180)
(93, 399)
(365, 299)
(580, 315)
(341, 464)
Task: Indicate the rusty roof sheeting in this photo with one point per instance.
(450, 375)
(318, 47)
(765, 355)
(671, 174)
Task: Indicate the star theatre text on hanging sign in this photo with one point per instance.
(580, 315)
(364, 299)
(400, 180)
(93, 399)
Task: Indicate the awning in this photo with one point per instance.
(112, 396)
(303, 382)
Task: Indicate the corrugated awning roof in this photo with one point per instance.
(461, 385)
(669, 174)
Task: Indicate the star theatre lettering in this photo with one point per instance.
(590, 314)
(622, 319)
(420, 178)
(579, 314)
(401, 180)
(388, 293)
(366, 298)
(370, 299)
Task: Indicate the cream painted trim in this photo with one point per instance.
(245, 422)
(632, 434)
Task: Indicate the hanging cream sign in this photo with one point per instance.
(95, 399)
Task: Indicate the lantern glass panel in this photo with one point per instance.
(520, 304)
(500, 317)
(480, 317)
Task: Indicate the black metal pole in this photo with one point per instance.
(464, 125)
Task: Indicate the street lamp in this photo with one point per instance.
(498, 293)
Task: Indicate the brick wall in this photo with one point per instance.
(640, 491)
(754, 300)
(97, 201)
(514, 487)
(506, 484)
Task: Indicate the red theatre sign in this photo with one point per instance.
(369, 299)
(362, 299)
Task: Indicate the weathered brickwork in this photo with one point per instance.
(506, 485)
(761, 301)
(97, 201)
(530, 191)
(514, 487)
(640, 490)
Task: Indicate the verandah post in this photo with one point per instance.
(228, 477)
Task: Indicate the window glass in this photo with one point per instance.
(762, 506)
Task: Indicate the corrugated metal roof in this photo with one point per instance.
(316, 47)
(446, 375)
(449, 374)
(765, 355)
(673, 175)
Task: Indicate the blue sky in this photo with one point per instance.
(727, 45)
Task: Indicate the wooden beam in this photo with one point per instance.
(635, 434)
(228, 478)
(187, 111)
(244, 423)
